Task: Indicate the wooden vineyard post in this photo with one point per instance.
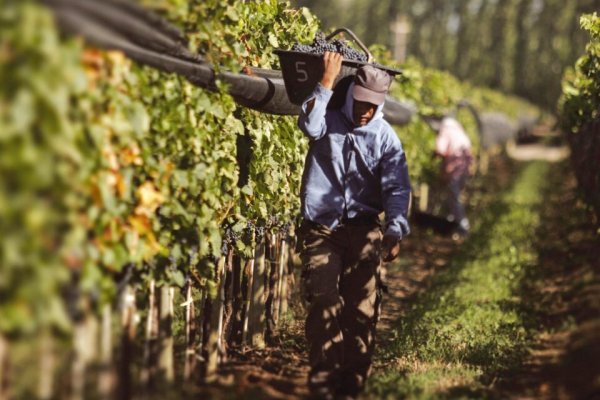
(106, 377)
(128, 328)
(151, 333)
(190, 332)
(227, 322)
(280, 246)
(203, 319)
(237, 301)
(256, 313)
(47, 363)
(273, 300)
(240, 279)
(295, 267)
(85, 345)
(283, 271)
(166, 341)
(423, 197)
(271, 304)
(216, 324)
(4, 368)
(249, 274)
(206, 315)
(78, 364)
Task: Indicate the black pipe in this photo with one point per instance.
(133, 22)
(262, 94)
(115, 24)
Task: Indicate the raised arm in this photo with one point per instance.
(312, 115)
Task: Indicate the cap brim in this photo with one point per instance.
(363, 94)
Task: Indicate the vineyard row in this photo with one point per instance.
(127, 188)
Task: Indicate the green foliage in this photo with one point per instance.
(581, 86)
(591, 23)
(106, 163)
(233, 35)
(580, 113)
(40, 168)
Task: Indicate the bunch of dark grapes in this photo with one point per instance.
(321, 45)
(229, 239)
(285, 229)
(258, 231)
(250, 227)
(272, 222)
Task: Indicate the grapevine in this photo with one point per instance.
(580, 113)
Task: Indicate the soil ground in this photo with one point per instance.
(280, 371)
(565, 298)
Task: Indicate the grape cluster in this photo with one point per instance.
(284, 228)
(229, 239)
(211, 258)
(321, 45)
(259, 231)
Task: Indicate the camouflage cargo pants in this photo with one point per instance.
(340, 280)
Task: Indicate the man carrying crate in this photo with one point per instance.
(355, 169)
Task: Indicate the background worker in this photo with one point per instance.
(355, 169)
(454, 147)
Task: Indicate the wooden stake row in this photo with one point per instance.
(251, 299)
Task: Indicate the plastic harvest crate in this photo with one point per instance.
(301, 71)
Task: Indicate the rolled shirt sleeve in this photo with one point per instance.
(313, 124)
(395, 188)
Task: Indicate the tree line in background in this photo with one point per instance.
(520, 47)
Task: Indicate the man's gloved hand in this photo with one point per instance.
(390, 248)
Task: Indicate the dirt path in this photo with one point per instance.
(406, 278)
(565, 301)
(277, 372)
(280, 371)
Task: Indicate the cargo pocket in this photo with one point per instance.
(307, 240)
(304, 279)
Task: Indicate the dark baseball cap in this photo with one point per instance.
(371, 85)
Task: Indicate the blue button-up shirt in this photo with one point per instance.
(352, 171)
